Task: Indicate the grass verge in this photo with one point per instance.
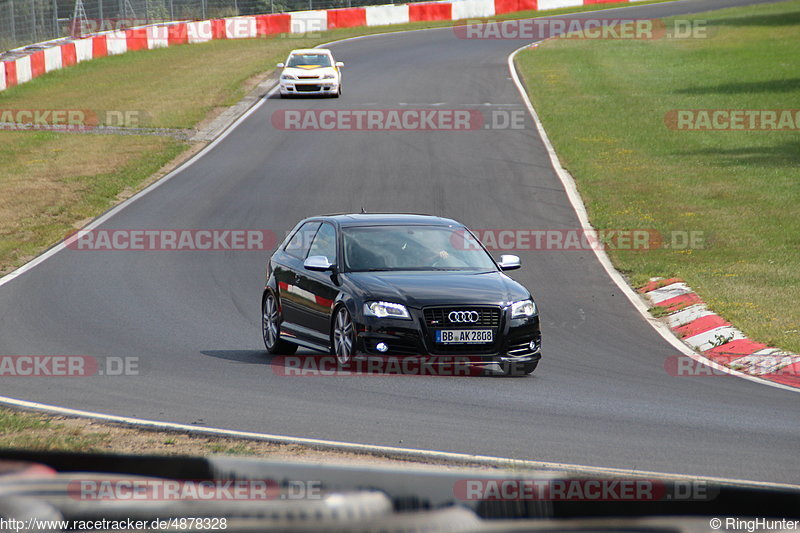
(603, 104)
(43, 432)
(50, 181)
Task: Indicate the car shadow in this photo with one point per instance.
(253, 357)
(277, 96)
(317, 364)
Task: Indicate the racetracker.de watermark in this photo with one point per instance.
(378, 365)
(523, 239)
(138, 489)
(733, 119)
(67, 366)
(758, 365)
(71, 120)
(398, 119)
(599, 490)
(582, 28)
(171, 240)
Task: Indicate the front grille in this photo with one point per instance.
(309, 88)
(438, 317)
(308, 77)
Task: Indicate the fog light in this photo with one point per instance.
(381, 347)
(533, 345)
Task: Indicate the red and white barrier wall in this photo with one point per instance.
(23, 64)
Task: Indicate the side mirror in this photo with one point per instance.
(509, 262)
(339, 64)
(317, 263)
(281, 65)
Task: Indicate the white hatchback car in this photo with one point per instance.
(313, 72)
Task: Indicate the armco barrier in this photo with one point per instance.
(83, 49)
(309, 21)
(117, 42)
(25, 64)
(240, 28)
(69, 54)
(157, 36)
(430, 11)
(199, 32)
(273, 24)
(23, 71)
(37, 64)
(472, 9)
(386, 15)
(512, 6)
(52, 58)
(99, 48)
(135, 39)
(557, 4)
(347, 18)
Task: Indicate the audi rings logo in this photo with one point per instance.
(463, 316)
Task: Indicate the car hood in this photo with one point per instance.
(420, 289)
(316, 71)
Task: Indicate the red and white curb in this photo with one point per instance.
(710, 334)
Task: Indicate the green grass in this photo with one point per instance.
(603, 105)
(36, 432)
(49, 182)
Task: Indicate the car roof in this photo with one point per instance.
(388, 219)
(310, 51)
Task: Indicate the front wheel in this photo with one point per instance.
(271, 328)
(344, 336)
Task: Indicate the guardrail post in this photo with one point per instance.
(13, 27)
(33, 17)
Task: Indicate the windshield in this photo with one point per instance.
(384, 248)
(309, 60)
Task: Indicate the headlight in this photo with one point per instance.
(287, 77)
(523, 309)
(386, 310)
(328, 77)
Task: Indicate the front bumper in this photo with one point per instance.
(516, 341)
(309, 87)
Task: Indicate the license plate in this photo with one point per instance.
(464, 336)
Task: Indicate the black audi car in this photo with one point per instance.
(400, 285)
